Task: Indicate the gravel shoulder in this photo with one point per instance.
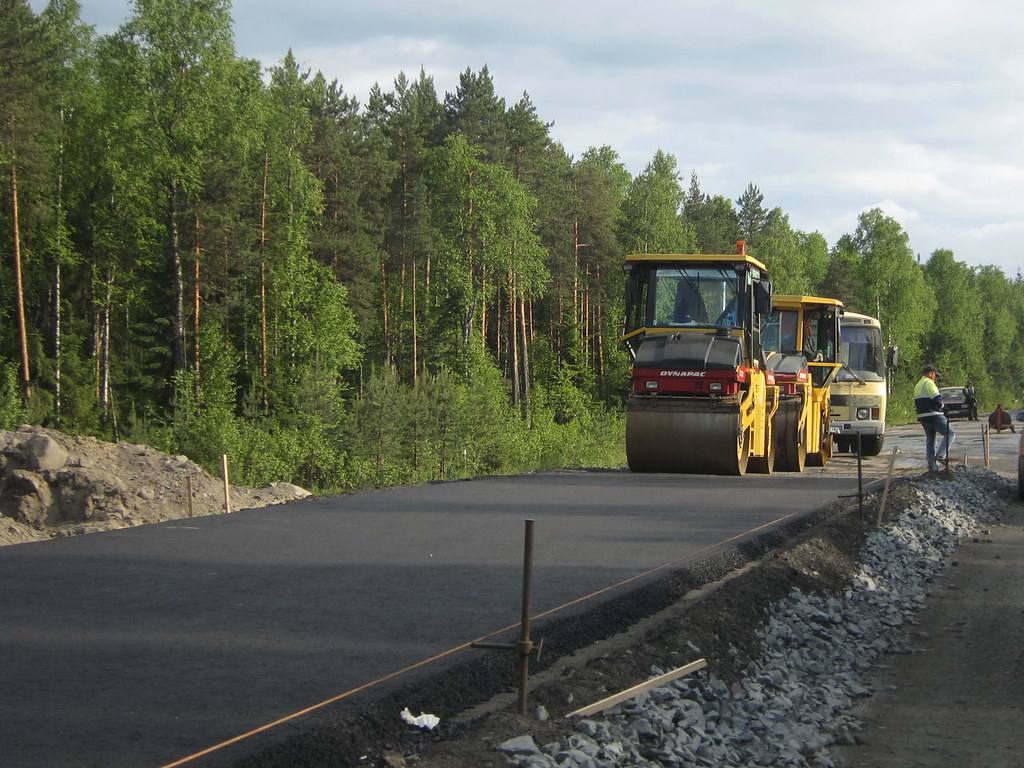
(955, 699)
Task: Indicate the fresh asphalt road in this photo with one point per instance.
(142, 646)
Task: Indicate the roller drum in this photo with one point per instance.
(686, 435)
(790, 439)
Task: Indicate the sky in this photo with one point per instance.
(830, 108)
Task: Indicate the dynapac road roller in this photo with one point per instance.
(800, 343)
(702, 399)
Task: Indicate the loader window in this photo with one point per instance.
(695, 296)
(819, 339)
(779, 334)
(636, 300)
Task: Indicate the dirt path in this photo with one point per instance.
(958, 699)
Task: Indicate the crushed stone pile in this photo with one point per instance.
(794, 700)
(53, 484)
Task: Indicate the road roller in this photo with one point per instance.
(800, 344)
(701, 398)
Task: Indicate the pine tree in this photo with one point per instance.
(751, 213)
(25, 81)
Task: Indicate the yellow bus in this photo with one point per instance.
(861, 387)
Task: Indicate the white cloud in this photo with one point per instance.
(826, 106)
(999, 228)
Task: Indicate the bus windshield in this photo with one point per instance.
(695, 296)
(861, 350)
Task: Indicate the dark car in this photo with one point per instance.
(954, 402)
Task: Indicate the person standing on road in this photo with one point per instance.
(928, 403)
(972, 401)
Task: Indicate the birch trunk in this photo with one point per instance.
(513, 341)
(526, 360)
(483, 307)
(56, 342)
(415, 330)
(196, 296)
(97, 338)
(106, 347)
(179, 277)
(263, 273)
(56, 275)
(384, 303)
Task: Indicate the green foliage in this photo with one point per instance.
(955, 333)
(12, 412)
(890, 285)
(338, 294)
(482, 225)
(751, 215)
(652, 222)
(205, 425)
(712, 218)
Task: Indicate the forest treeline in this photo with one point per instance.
(211, 257)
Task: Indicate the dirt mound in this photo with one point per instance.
(52, 484)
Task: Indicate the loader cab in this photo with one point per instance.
(723, 294)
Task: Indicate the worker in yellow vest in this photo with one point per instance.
(928, 403)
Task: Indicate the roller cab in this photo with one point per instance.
(800, 343)
(701, 399)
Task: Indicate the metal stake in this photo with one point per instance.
(524, 647)
(525, 644)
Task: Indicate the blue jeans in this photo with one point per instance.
(934, 425)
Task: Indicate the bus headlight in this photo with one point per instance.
(863, 413)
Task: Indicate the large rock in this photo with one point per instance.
(26, 497)
(35, 451)
(287, 491)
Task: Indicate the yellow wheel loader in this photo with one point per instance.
(801, 344)
(701, 400)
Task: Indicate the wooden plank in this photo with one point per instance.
(636, 690)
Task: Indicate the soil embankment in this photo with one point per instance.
(53, 484)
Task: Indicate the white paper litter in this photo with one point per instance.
(420, 721)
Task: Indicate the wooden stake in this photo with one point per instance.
(227, 488)
(885, 490)
(188, 482)
(636, 690)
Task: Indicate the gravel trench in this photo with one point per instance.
(794, 700)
